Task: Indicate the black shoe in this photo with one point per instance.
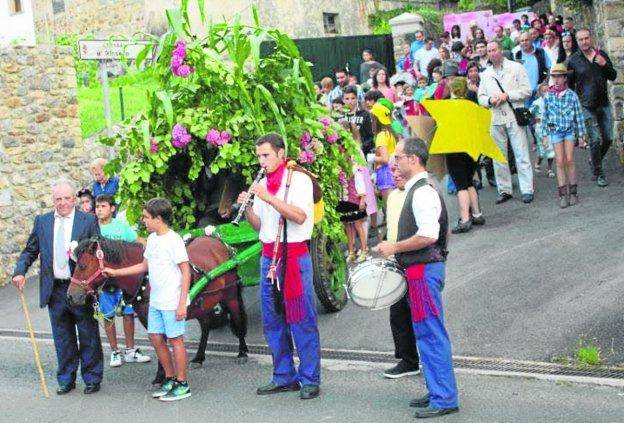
(491, 181)
(601, 181)
(425, 413)
(478, 221)
(400, 370)
(65, 389)
(462, 227)
(274, 388)
(309, 392)
(421, 402)
(503, 198)
(92, 388)
(527, 198)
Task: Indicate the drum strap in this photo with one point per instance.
(419, 293)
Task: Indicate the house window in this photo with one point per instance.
(15, 7)
(331, 23)
(58, 6)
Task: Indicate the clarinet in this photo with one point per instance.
(245, 204)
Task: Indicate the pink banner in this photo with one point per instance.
(485, 19)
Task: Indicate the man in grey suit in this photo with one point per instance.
(49, 240)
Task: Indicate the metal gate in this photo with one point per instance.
(329, 54)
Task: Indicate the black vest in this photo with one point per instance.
(408, 228)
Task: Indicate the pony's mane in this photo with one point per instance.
(113, 249)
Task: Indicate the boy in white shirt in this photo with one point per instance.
(167, 261)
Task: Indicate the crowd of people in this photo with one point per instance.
(545, 66)
(544, 81)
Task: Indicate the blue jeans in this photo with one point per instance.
(434, 345)
(600, 128)
(279, 334)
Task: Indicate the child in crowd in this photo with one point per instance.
(564, 123)
(353, 203)
(409, 102)
(85, 199)
(170, 279)
(337, 108)
(385, 142)
(544, 151)
(110, 298)
(422, 86)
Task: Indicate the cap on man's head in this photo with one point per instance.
(451, 68)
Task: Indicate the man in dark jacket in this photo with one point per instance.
(591, 69)
(50, 239)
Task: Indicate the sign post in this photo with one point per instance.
(105, 51)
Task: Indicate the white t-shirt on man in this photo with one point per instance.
(300, 194)
(164, 253)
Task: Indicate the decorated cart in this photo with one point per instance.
(195, 143)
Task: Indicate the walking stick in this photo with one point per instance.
(42, 379)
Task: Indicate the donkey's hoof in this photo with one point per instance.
(242, 360)
(196, 364)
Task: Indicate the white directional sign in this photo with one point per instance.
(111, 49)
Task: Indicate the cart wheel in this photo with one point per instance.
(330, 273)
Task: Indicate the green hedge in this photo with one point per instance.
(433, 19)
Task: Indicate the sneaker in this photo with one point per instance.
(115, 360)
(477, 220)
(164, 389)
(134, 355)
(537, 167)
(179, 391)
(601, 181)
(400, 370)
(462, 227)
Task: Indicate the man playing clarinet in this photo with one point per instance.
(283, 214)
(421, 250)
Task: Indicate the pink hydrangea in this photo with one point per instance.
(326, 121)
(305, 138)
(176, 61)
(332, 138)
(180, 137)
(307, 156)
(215, 137)
(183, 71)
(180, 49)
(342, 177)
(153, 146)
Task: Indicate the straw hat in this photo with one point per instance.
(559, 69)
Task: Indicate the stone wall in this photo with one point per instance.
(609, 22)
(39, 139)
(100, 17)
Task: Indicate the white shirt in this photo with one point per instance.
(423, 57)
(426, 207)
(300, 195)
(69, 224)
(164, 253)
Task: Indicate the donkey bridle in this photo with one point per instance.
(86, 284)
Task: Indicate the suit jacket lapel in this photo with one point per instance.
(48, 227)
(76, 226)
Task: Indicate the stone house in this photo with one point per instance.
(127, 17)
(16, 22)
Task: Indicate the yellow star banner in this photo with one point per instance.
(463, 127)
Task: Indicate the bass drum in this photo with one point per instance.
(376, 284)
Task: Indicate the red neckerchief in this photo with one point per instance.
(558, 90)
(274, 179)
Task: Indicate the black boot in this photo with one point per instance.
(563, 197)
(573, 196)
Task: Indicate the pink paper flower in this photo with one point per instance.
(326, 121)
(180, 49)
(176, 61)
(213, 137)
(180, 137)
(332, 137)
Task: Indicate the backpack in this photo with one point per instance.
(317, 193)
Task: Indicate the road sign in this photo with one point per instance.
(111, 49)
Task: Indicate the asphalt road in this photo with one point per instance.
(528, 285)
(223, 391)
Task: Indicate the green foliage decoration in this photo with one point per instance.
(230, 89)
